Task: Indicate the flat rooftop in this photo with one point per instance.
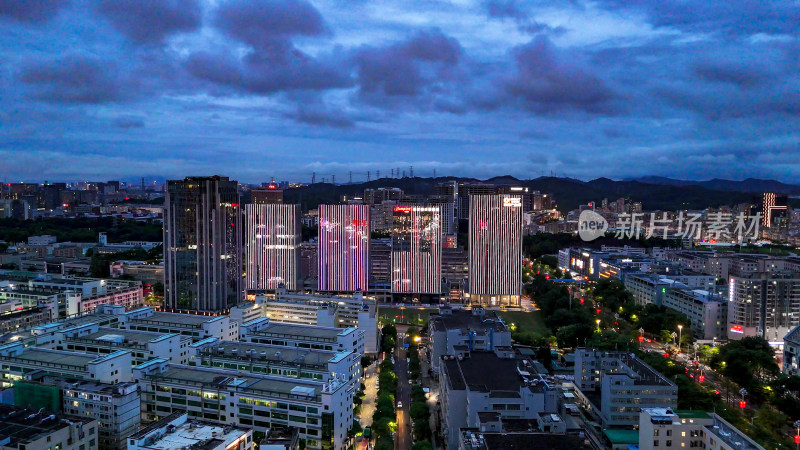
(622, 437)
(230, 379)
(129, 336)
(176, 318)
(225, 349)
(25, 290)
(77, 321)
(24, 425)
(463, 320)
(289, 329)
(472, 371)
(45, 356)
(96, 387)
(516, 441)
(195, 434)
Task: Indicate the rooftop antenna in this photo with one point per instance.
(392, 173)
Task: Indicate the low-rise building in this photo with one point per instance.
(291, 363)
(116, 407)
(647, 288)
(316, 309)
(112, 368)
(68, 296)
(476, 439)
(28, 429)
(139, 270)
(176, 431)
(264, 331)
(143, 345)
(497, 382)
(764, 304)
(791, 352)
(17, 318)
(707, 312)
(195, 326)
(667, 428)
(474, 330)
(321, 412)
(618, 385)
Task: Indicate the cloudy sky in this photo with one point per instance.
(117, 89)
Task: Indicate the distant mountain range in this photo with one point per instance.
(655, 193)
(748, 185)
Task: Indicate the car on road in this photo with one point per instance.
(399, 404)
(410, 381)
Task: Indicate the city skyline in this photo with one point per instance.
(124, 89)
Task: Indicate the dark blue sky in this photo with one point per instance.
(116, 89)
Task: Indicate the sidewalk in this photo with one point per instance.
(368, 407)
(433, 396)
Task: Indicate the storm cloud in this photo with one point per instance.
(283, 88)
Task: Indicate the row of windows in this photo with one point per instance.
(278, 405)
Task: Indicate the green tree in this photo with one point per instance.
(749, 362)
(611, 340)
(99, 266)
(574, 335)
(422, 445)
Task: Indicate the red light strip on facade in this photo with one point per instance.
(343, 259)
(495, 245)
(273, 245)
(417, 250)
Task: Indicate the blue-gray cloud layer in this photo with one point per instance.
(282, 88)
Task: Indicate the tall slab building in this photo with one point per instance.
(202, 244)
(272, 246)
(416, 250)
(495, 249)
(343, 253)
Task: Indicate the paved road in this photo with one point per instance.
(527, 304)
(403, 439)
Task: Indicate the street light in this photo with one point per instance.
(797, 434)
(743, 403)
(680, 334)
(598, 324)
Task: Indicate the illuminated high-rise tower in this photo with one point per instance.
(495, 249)
(771, 205)
(273, 237)
(344, 235)
(416, 250)
(202, 244)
